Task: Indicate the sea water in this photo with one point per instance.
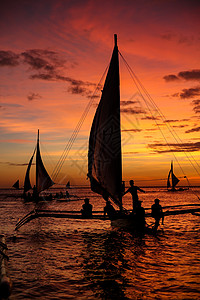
(88, 259)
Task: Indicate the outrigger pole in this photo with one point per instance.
(97, 215)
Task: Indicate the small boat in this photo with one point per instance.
(5, 281)
(16, 185)
(68, 185)
(43, 180)
(172, 181)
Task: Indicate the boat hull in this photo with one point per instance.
(129, 225)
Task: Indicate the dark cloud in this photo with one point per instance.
(132, 130)
(150, 118)
(175, 120)
(8, 58)
(186, 75)
(128, 102)
(132, 111)
(42, 76)
(39, 59)
(165, 148)
(195, 129)
(8, 163)
(190, 75)
(196, 107)
(48, 66)
(179, 126)
(190, 92)
(170, 77)
(33, 96)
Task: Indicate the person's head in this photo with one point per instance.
(108, 203)
(131, 182)
(86, 200)
(156, 201)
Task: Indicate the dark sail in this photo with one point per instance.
(104, 155)
(16, 185)
(168, 180)
(27, 183)
(43, 180)
(174, 179)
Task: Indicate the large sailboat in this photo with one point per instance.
(105, 154)
(43, 180)
(104, 162)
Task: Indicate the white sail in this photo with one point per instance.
(104, 155)
(43, 180)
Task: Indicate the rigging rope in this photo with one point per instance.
(171, 130)
(69, 145)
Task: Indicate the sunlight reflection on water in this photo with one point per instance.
(78, 259)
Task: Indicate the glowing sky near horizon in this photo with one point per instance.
(53, 54)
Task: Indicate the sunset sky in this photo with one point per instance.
(53, 54)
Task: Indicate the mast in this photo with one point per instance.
(104, 154)
(38, 151)
(27, 183)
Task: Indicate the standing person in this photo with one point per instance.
(86, 210)
(133, 190)
(157, 213)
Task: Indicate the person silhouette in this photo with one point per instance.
(133, 189)
(109, 210)
(157, 213)
(86, 210)
(140, 217)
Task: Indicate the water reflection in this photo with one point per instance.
(106, 262)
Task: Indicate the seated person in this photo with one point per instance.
(140, 216)
(110, 211)
(86, 210)
(157, 213)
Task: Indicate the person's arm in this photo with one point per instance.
(141, 190)
(125, 192)
(162, 215)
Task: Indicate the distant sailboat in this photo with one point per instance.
(172, 180)
(68, 185)
(16, 185)
(43, 180)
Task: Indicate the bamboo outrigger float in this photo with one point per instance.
(99, 215)
(5, 283)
